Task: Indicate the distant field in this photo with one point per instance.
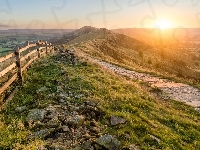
(4, 51)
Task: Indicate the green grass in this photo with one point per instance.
(174, 123)
(5, 49)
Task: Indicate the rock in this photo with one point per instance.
(91, 103)
(75, 120)
(87, 146)
(50, 112)
(127, 136)
(62, 117)
(115, 120)
(65, 129)
(133, 147)
(55, 122)
(62, 100)
(109, 142)
(92, 112)
(35, 115)
(95, 130)
(37, 125)
(42, 133)
(20, 109)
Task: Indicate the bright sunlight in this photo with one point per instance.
(163, 24)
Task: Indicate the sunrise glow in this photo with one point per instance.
(163, 24)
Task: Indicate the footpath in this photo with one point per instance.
(170, 89)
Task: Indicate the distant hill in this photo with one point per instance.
(74, 34)
(106, 42)
(166, 36)
(88, 33)
(36, 31)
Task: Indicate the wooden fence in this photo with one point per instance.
(21, 59)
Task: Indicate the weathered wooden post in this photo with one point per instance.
(18, 63)
(38, 49)
(52, 49)
(46, 43)
(27, 43)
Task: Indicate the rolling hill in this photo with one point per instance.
(171, 61)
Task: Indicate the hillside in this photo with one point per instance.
(103, 91)
(74, 103)
(117, 48)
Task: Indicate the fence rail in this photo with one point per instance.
(38, 50)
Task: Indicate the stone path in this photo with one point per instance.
(177, 91)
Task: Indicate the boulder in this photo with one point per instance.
(35, 115)
(115, 120)
(109, 142)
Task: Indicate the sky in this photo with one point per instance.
(111, 14)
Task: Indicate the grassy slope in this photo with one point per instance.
(175, 124)
(129, 58)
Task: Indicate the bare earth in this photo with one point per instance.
(177, 91)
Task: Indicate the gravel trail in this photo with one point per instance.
(177, 91)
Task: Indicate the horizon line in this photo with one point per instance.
(102, 28)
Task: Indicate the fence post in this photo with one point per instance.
(46, 47)
(18, 63)
(27, 43)
(52, 49)
(38, 50)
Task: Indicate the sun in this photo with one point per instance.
(163, 24)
